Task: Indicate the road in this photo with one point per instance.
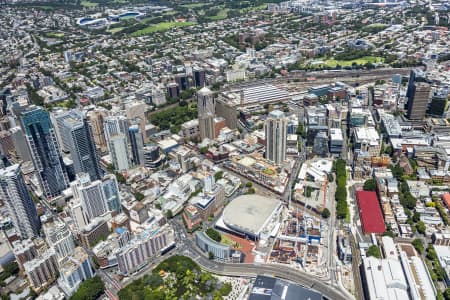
(187, 247)
(331, 230)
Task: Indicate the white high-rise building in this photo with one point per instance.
(91, 195)
(20, 205)
(74, 271)
(209, 183)
(119, 152)
(135, 110)
(275, 128)
(206, 111)
(114, 125)
(111, 191)
(76, 212)
(60, 238)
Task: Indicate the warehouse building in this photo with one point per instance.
(370, 212)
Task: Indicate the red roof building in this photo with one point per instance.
(370, 212)
(446, 198)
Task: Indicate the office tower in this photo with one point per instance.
(76, 134)
(44, 151)
(60, 238)
(119, 152)
(135, 112)
(173, 90)
(182, 81)
(96, 120)
(111, 192)
(199, 77)
(57, 117)
(320, 146)
(206, 111)
(275, 128)
(14, 193)
(91, 195)
(437, 105)
(137, 144)
(114, 125)
(20, 144)
(152, 158)
(418, 94)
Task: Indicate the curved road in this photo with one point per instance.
(274, 270)
(187, 247)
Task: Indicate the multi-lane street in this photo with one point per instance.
(186, 246)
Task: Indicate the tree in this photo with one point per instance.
(301, 130)
(389, 233)
(373, 251)
(110, 168)
(120, 178)
(408, 200)
(416, 217)
(226, 289)
(9, 270)
(421, 227)
(248, 184)
(153, 280)
(169, 214)
(218, 175)
(139, 196)
(370, 185)
(418, 245)
(210, 255)
(388, 150)
(308, 191)
(250, 191)
(90, 289)
(431, 253)
(214, 234)
(326, 213)
(341, 209)
(447, 293)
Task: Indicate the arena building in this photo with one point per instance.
(251, 216)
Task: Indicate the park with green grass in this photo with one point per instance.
(160, 27)
(177, 277)
(333, 63)
(221, 15)
(86, 3)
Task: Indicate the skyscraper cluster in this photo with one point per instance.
(68, 142)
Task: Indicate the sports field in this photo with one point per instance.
(87, 3)
(332, 63)
(163, 26)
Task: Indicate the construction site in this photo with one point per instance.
(299, 241)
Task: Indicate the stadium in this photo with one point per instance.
(251, 216)
(95, 21)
